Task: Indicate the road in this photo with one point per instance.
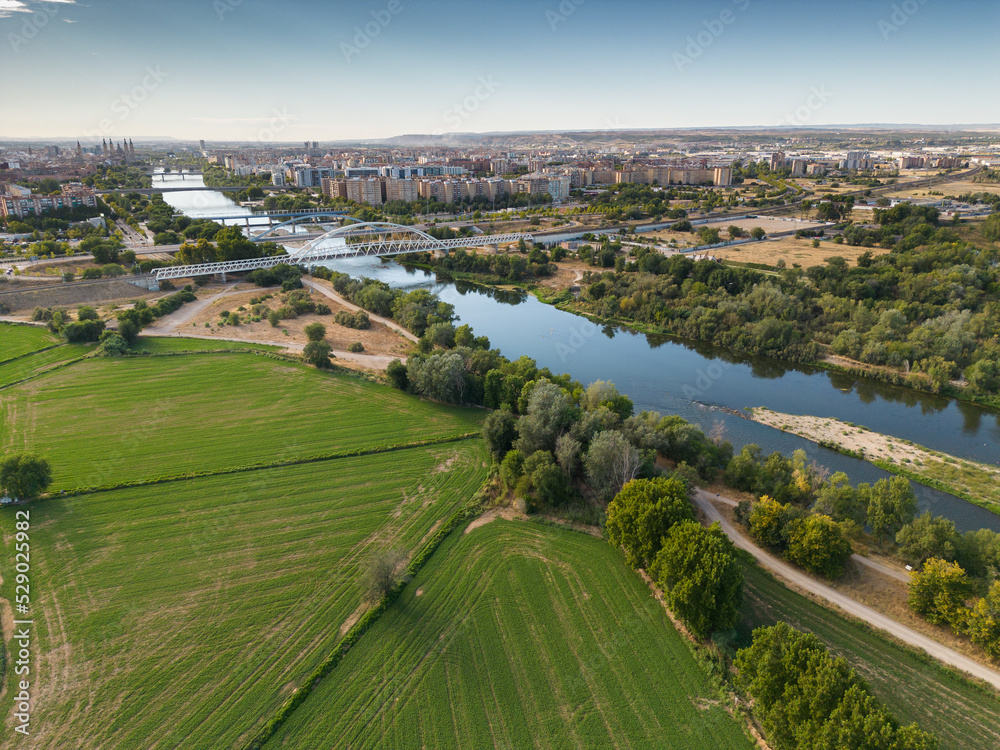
(704, 501)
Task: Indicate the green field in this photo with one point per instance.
(181, 615)
(16, 340)
(30, 365)
(103, 421)
(915, 688)
(168, 344)
(518, 635)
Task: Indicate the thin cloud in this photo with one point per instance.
(67, 20)
(10, 7)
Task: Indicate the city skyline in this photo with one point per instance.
(239, 70)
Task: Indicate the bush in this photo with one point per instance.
(91, 273)
(317, 353)
(358, 320)
(356, 348)
(112, 345)
(315, 331)
(511, 468)
(322, 309)
(396, 373)
(24, 476)
(68, 276)
(88, 330)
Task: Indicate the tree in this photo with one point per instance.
(757, 233)
(315, 331)
(984, 621)
(939, 591)
(548, 482)
(439, 376)
(927, 537)
(736, 232)
(991, 228)
(611, 461)
(25, 476)
(568, 454)
(818, 545)
(382, 573)
(549, 412)
(701, 576)
(499, 432)
(642, 513)
(511, 468)
(86, 313)
(317, 353)
(768, 521)
(890, 505)
(804, 697)
(839, 500)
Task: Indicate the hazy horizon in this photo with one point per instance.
(247, 70)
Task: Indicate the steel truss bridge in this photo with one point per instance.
(365, 239)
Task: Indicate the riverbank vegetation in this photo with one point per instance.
(971, 480)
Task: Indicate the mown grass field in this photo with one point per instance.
(517, 635)
(169, 344)
(181, 615)
(103, 421)
(915, 688)
(30, 365)
(16, 340)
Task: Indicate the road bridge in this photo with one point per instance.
(364, 239)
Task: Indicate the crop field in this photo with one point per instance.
(915, 688)
(517, 635)
(29, 365)
(182, 615)
(168, 344)
(103, 421)
(16, 341)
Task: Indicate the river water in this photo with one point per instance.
(696, 381)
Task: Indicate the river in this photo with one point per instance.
(695, 380)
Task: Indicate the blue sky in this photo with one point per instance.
(293, 70)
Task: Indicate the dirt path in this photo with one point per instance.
(166, 325)
(327, 292)
(886, 570)
(867, 614)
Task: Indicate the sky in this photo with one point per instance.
(294, 70)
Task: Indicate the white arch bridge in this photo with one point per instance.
(375, 238)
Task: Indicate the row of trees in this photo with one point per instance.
(697, 568)
(507, 268)
(806, 698)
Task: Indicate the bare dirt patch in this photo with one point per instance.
(378, 339)
(793, 251)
